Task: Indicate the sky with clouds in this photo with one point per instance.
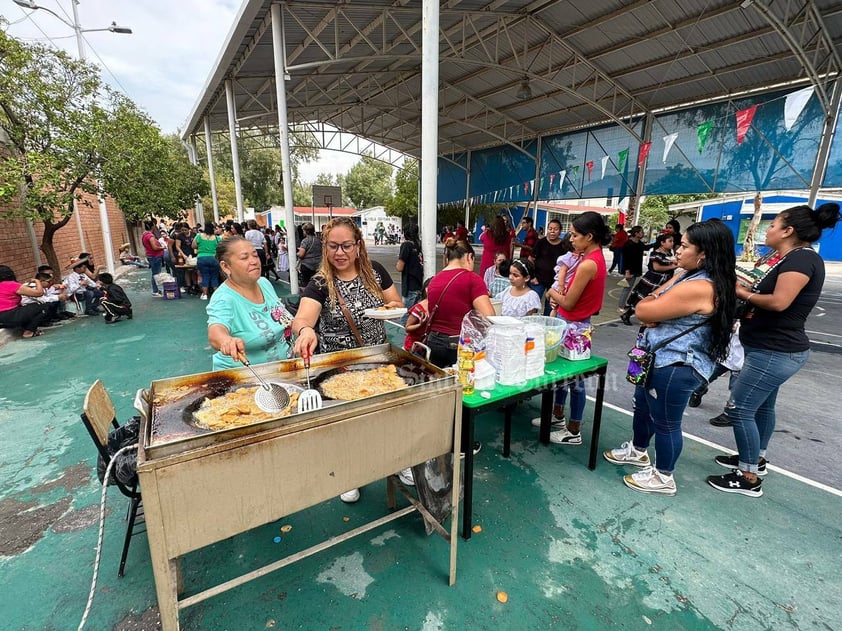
(162, 65)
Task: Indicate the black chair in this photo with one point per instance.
(99, 418)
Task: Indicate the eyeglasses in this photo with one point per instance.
(345, 247)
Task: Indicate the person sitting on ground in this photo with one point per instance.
(127, 258)
(49, 299)
(80, 285)
(13, 315)
(57, 289)
(115, 302)
(519, 300)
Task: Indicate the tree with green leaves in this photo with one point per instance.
(655, 213)
(50, 110)
(369, 183)
(404, 203)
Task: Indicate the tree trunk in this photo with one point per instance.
(47, 247)
(749, 248)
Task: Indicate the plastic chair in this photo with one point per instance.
(99, 418)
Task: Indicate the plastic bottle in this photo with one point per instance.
(466, 365)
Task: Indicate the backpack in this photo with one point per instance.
(125, 466)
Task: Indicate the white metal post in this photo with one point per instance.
(536, 186)
(820, 168)
(468, 193)
(634, 208)
(235, 154)
(211, 176)
(281, 92)
(429, 130)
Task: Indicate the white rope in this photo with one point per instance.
(101, 530)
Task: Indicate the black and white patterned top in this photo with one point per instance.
(333, 330)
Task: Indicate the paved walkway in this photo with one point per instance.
(571, 547)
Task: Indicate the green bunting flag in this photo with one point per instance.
(621, 160)
(703, 132)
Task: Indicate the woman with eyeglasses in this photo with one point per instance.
(331, 311)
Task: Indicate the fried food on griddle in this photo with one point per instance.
(237, 408)
(359, 384)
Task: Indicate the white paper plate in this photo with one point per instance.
(384, 314)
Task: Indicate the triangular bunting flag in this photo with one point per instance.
(744, 118)
(576, 171)
(643, 153)
(561, 176)
(604, 164)
(794, 105)
(552, 178)
(621, 160)
(541, 185)
(702, 134)
(589, 164)
(669, 141)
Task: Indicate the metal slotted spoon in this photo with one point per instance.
(270, 397)
(309, 399)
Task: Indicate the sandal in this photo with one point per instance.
(36, 333)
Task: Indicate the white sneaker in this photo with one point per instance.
(627, 454)
(650, 480)
(349, 497)
(555, 423)
(565, 437)
(406, 477)
(203, 297)
(157, 294)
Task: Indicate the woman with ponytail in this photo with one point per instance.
(772, 334)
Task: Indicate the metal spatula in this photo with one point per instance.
(309, 399)
(270, 397)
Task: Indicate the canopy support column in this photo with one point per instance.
(634, 200)
(823, 154)
(468, 193)
(429, 130)
(211, 176)
(235, 154)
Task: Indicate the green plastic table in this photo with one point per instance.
(556, 374)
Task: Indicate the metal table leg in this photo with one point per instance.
(468, 488)
(597, 417)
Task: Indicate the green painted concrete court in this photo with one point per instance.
(572, 548)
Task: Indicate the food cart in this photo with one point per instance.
(200, 487)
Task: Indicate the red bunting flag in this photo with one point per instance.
(552, 178)
(643, 153)
(589, 164)
(744, 118)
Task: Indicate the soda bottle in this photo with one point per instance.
(466, 365)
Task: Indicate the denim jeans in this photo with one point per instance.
(156, 263)
(754, 394)
(578, 398)
(658, 409)
(412, 298)
(209, 269)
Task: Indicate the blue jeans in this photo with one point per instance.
(578, 398)
(156, 263)
(209, 269)
(658, 409)
(412, 298)
(754, 397)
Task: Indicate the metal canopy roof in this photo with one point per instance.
(511, 70)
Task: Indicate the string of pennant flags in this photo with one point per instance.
(794, 104)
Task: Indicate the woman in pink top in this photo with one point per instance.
(497, 238)
(577, 303)
(12, 314)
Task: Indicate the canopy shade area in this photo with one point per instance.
(511, 71)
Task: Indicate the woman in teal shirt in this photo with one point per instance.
(246, 319)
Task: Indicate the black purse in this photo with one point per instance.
(641, 360)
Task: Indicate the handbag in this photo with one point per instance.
(641, 360)
(435, 308)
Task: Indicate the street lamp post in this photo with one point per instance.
(80, 44)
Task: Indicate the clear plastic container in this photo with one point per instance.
(554, 329)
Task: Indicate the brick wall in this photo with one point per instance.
(16, 247)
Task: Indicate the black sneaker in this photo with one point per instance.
(695, 400)
(735, 482)
(723, 420)
(731, 462)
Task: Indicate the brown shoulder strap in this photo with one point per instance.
(349, 318)
(436, 306)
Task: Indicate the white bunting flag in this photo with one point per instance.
(669, 141)
(561, 175)
(604, 164)
(794, 105)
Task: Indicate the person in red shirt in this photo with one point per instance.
(461, 232)
(529, 239)
(617, 242)
(581, 300)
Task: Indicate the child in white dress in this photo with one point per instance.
(519, 300)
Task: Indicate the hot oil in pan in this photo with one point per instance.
(174, 419)
(411, 373)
